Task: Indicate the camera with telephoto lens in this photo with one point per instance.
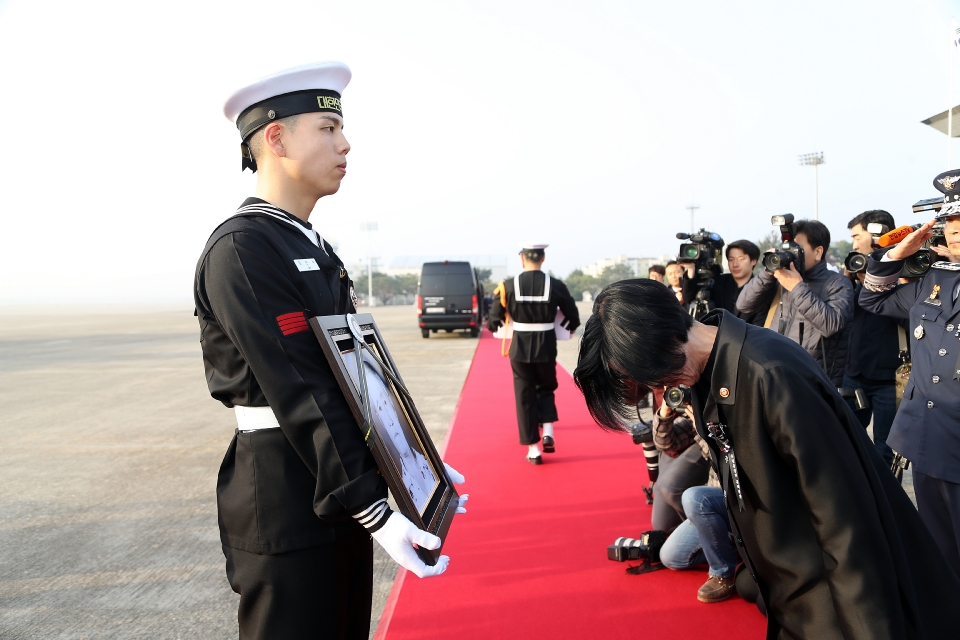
(678, 398)
(646, 548)
(789, 252)
(855, 262)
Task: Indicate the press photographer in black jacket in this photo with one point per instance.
(742, 257)
(874, 345)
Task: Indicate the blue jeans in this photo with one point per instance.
(703, 537)
(883, 409)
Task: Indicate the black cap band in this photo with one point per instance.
(286, 105)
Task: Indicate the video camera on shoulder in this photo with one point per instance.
(705, 249)
(918, 264)
(789, 252)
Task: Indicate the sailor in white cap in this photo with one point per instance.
(531, 300)
(299, 493)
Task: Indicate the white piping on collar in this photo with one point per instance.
(275, 212)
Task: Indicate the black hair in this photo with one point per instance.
(255, 141)
(752, 250)
(817, 234)
(672, 262)
(657, 268)
(534, 255)
(632, 342)
(874, 215)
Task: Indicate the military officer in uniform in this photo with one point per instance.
(926, 430)
(531, 300)
(299, 494)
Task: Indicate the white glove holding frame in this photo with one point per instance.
(398, 536)
(457, 478)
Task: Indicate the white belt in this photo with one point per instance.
(533, 326)
(255, 418)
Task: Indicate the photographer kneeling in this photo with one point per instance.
(703, 537)
(682, 466)
(835, 545)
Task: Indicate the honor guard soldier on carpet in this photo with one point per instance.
(299, 494)
(926, 430)
(531, 300)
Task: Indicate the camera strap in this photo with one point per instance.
(720, 434)
(772, 311)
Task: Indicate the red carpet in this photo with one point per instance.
(529, 559)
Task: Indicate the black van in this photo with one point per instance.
(448, 298)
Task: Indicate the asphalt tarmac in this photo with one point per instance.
(110, 446)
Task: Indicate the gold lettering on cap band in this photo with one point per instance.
(328, 102)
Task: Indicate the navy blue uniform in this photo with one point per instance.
(926, 430)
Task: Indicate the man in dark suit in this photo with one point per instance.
(835, 545)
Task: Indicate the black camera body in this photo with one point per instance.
(855, 262)
(789, 252)
(678, 398)
(918, 264)
(705, 251)
(646, 547)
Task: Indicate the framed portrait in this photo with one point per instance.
(391, 425)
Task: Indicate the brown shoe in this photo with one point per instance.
(716, 590)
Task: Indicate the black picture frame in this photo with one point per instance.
(429, 502)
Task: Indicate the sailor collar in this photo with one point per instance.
(724, 363)
(257, 205)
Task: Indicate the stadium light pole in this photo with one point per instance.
(693, 209)
(369, 227)
(815, 159)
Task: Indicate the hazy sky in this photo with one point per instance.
(474, 125)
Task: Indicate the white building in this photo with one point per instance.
(639, 266)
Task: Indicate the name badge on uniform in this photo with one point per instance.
(307, 264)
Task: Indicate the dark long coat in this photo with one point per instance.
(836, 546)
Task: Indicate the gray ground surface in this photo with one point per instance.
(110, 447)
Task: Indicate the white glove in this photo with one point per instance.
(457, 478)
(397, 538)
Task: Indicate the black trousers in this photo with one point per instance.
(938, 502)
(533, 386)
(689, 469)
(319, 592)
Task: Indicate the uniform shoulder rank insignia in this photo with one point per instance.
(947, 266)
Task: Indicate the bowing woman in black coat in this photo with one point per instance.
(835, 545)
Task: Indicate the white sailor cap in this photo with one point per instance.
(304, 89)
(533, 246)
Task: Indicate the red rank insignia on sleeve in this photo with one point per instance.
(291, 323)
